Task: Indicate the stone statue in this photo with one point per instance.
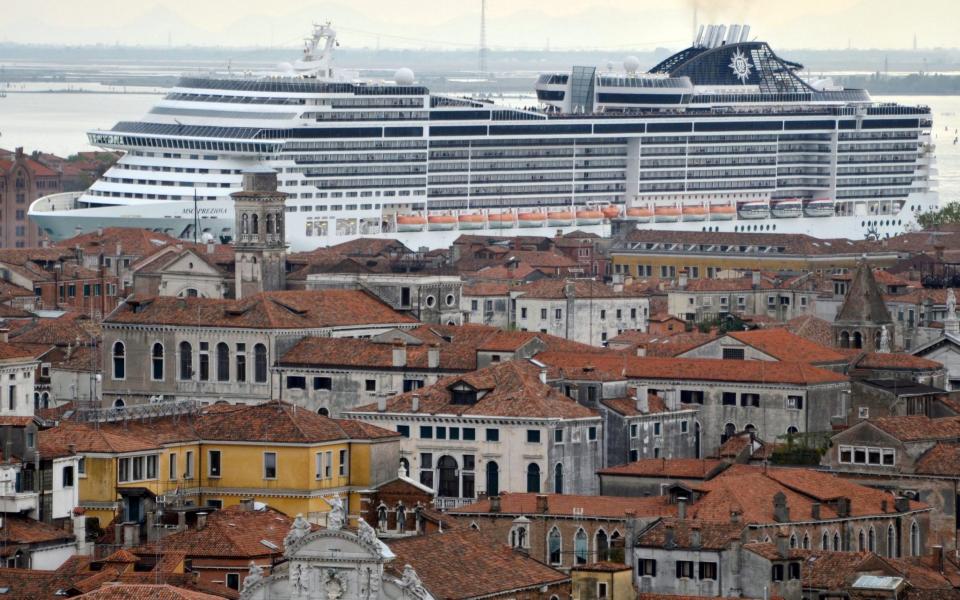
(410, 582)
(365, 532)
(337, 515)
(382, 521)
(418, 516)
(951, 304)
(254, 575)
(401, 517)
(884, 339)
(298, 579)
(298, 531)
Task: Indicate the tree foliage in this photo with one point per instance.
(948, 215)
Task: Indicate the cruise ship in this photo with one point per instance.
(722, 136)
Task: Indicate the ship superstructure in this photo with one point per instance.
(722, 136)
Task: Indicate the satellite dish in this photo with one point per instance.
(631, 64)
(403, 76)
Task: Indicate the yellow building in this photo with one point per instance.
(602, 581)
(288, 458)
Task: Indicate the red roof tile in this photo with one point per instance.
(571, 505)
(680, 468)
(786, 346)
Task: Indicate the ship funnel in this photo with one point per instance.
(698, 41)
(733, 36)
(744, 33)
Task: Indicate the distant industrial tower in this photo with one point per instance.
(483, 36)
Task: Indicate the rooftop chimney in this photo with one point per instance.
(415, 403)
(734, 516)
(210, 247)
(901, 504)
(494, 504)
(382, 404)
(668, 541)
(682, 281)
(783, 543)
(618, 288)
(201, 520)
(815, 511)
(399, 353)
(247, 504)
(781, 512)
(543, 504)
(938, 557)
(643, 401)
(433, 356)
(682, 508)
(695, 540)
(755, 282)
(4, 334)
(543, 375)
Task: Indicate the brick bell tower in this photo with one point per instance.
(260, 246)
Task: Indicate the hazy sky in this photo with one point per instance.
(641, 24)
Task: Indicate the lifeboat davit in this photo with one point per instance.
(610, 212)
(694, 213)
(561, 218)
(787, 209)
(441, 222)
(821, 207)
(722, 212)
(666, 214)
(640, 215)
(531, 219)
(410, 222)
(589, 217)
(500, 220)
(471, 221)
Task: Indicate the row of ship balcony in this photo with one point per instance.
(651, 213)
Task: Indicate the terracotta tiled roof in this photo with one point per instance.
(664, 345)
(143, 591)
(229, 533)
(784, 345)
(370, 247)
(503, 273)
(915, 428)
(483, 568)
(701, 369)
(750, 490)
(267, 310)
(792, 243)
(604, 566)
(511, 389)
(554, 289)
(487, 289)
(133, 241)
(812, 328)
(18, 529)
(29, 584)
(713, 536)
(17, 351)
(896, 360)
(570, 505)
(680, 468)
(942, 459)
(65, 330)
(628, 406)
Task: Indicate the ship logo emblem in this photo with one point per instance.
(741, 66)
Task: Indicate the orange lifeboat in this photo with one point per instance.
(640, 215)
(500, 220)
(531, 219)
(610, 212)
(666, 214)
(471, 221)
(589, 217)
(694, 213)
(441, 222)
(560, 218)
(410, 222)
(722, 212)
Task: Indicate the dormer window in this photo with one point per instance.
(463, 394)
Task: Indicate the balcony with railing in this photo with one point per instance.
(17, 490)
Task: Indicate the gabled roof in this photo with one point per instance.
(567, 365)
(914, 428)
(943, 459)
(555, 289)
(679, 532)
(132, 241)
(863, 302)
(511, 389)
(678, 468)
(267, 310)
(895, 361)
(786, 346)
(571, 505)
(144, 591)
(18, 529)
(483, 568)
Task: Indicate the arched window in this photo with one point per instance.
(558, 479)
(36, 401)
(857, 340)
(861, 541)
(270, 223)
(825, 541)
(891, 542)
(844, 339)
(914, 539)
(254, 224)
(186, 361)
(325, 412)
(449, 483)
(603, 545)
(792, 430)
(244, 223)
(493, 479)
(793, 540)
(119, 360)
(750, 428)
(156, 362)
(836, 541)
(806, 541)
(45, 400)
(580, 547)
(404, 463)
(729, 430)
(223, 362)
(872, 540)
(876, 341)
(553, 546)
(260, 363)
(119, 403)
(533, 478)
